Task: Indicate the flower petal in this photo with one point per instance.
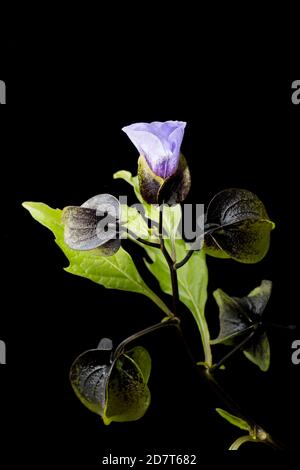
(159, 143)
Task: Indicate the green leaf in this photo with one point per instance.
(114, 272)
(234, 320)
(238, 226)
(259, 352)
(238, 422)
(132, 180)
(142, 359)
(172, 220)
(135, 226)
(258, 298)
(128, 396)
(117, 391)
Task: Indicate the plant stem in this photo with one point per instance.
(281, 327)
(161, 238)
(227, 400)
(175, 291)
(185, 260)
(190, 252)
(134, 238)
(157, 326)
(208, 378)
(204, 372)
(146, 242)
(170, 261)
(241, 440)
(234, 350)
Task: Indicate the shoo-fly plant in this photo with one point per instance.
(113, 381)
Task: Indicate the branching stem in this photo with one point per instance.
(170, 261)
(205, 372)
(185, 260)
(146, 242)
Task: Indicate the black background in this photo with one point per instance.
(61, 141)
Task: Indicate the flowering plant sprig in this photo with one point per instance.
(113, 382)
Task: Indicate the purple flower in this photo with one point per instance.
(159, 143)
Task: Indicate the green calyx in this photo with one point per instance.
(156, 190)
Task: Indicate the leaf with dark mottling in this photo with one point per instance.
(116, 391)
(237, 226)
(240, 317)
